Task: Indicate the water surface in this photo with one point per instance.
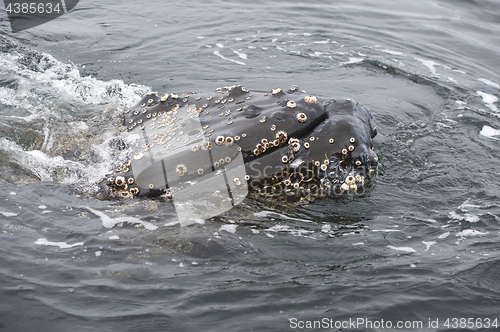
(420, 244)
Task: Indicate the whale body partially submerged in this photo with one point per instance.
(238, 141)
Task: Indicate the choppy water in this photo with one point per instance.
(422, 243)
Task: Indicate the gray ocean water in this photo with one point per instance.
(421, 245)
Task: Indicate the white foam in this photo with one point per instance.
(393, 52)
(228, 228)
(114, 237)
(444, 235)
(98, 253)
(490, 132)
(404, 249)
(488, 82)
(13, 193)
(467, 217)
(219, 45)
(271, 213)
(428, 244)
(223, 57)
(173, 223)
(470, 232)
(8, 214)
(322, 41)
(241, 54)
(429, 64)
(111, 222)
(62, 245)
(488, 100)
(352, 60)
(288, 229)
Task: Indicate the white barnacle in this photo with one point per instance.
(281, 136)
(326, 162)
(236, 138)
(229, 141)
(310, 99)
(151, 186)
(229, 122)
(307, 145)
(164, 98)
(352, 140)
(350, 179)
(181, 169)
(302, 117)
(120, 181)
(293, 88)
(216, 164)
(220, 140)
(244, 89)
(150, 101)
(344, 151)
(134, 191)
(276, 91)
(138, 155)
(195, 148)
(284, 159)
(291, 104)
(296, 146)
(311, 139)
(263, 119)
(247, 177)
(174, 95)
(200, 171)
(130, 180)
(237, 181)
(287, 182)
(331, 140)
(273, 127)
(317, 163)
(351, 147)
(221, 161)
(358, 162)
(324, 167)
(296, 185)
(228, 160)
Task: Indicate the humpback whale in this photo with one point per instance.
(236, 141)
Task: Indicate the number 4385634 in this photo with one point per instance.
(471, 323)
(32, 8)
